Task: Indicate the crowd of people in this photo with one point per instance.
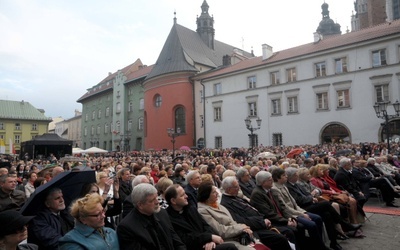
(201, 199)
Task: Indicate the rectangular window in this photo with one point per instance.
(18, 126)
(378, 58)
(130, 107)
(92, 132)
(86, 117)
(218, 142)
(276, 106)
(382, 93)
(275, 78)
(320, 69)
(291, 75)
(17, 139)
(251, 82)
(396, 9)
(106, 128)
(85, 131)
(93, 115)
(343, 98)
(217, 114)
(217, 89)
(252, 109)
(129, 125)
(277, 139)
(322, 101)
(1, 125)
(107, 111)
(34, 126)
(292, 104)
(118, 108)
(99, 114)
(141, 104)
(341, 65)
(1, 137)
(98, 129)
(140, 123)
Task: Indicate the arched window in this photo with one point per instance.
(106, 128)
(107, 111)
(180, 120)
(157, 100)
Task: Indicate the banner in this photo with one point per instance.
(2, 147)
(11, 148)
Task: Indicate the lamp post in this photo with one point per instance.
(125, 138)
(381, 112)
(173, 134)
(250, 127)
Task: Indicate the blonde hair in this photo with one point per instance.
(303, 172)
(84, 206)
(206, 177)
(163, 183)
(100, 175)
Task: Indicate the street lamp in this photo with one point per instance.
(171, 133)
(381, 112)
(250, 127)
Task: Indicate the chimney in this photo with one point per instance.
(266, 51)
(317, 37)
(226, 60)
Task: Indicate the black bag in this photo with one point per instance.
(246, 239)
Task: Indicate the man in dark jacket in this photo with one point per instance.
(51, 224)
(10, 197)
(147, 226)
(243, 212)
(193, 182)
(345, 180)
(189, 224)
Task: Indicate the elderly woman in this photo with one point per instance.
(161, 186)
(218, 217)
(321, 179)
(13, 231)
(89, 231)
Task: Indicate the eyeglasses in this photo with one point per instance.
(99, 215)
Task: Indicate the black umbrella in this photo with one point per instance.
(344, 152)
(70, 183)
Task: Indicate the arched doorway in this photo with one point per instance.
(334, 133)
(394, 131)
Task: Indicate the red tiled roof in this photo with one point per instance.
(350, 38)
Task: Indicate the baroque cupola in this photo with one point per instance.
(327, 26)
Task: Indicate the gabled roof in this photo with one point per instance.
(20, 110)
(375, 32)
(183, 48)
(132, 72)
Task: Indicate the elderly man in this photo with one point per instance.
(194, 180)
(245, 182)
(263, 200)
(147, 226)
(243, 212)
(345, 180)
(127, 204)
(10, 197)
(52, 223)
(190, 225)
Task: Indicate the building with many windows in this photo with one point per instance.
(20, 121)
(318, 92)
(113, 110)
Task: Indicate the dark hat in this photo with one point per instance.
(204, 191)
(11, 221)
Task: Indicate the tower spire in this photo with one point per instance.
(205, 26)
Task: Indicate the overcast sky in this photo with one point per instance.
(52, 51)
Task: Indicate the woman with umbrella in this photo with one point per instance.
(89, 231)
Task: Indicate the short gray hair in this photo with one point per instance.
(191, 174)
(344, 161)
(141, 192)
(228, 181)
(290, 171)
(241, 172)
(262, 176)
(370, 160)
(138, 179)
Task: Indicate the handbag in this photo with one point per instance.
(247, 240)
(340, 198)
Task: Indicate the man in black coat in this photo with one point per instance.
(345, 180)
(189, 224)
(193, 182)
(147, 226)
(242, 212)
